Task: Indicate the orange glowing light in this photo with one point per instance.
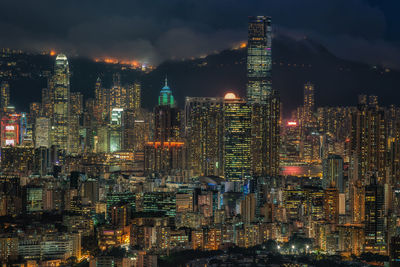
(292, 123)
(109, 60)
(230, 96)
(52, 53)
(165, 144)
(243, 45)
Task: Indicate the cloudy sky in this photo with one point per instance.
(156, 30)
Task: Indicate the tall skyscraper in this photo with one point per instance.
(4, 95)
(204, 131)
(117, 93)
(375, 240)
(42, 132)
(264, 101)
(165, 153)
(369, 140)
(61, 87)
(259, 59)
(237, 138)
(309, 104)
(333, 172)
(76, 111)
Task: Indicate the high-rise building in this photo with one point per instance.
(204, 130)
(11, 130)
(42, 132)
(237, 137)
(368, 141)
(259, 59)
(309, 104)
(115, 129)
(265, 137)
(375, 237)
(48, 100)
(333, 172)
(61, 87)
(4, 95)
(263, 99)
(133, 96)
(118, 94)
(166, 152)
(331, 205)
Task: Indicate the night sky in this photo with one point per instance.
(156, 30)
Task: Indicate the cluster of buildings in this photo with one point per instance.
(81, 178)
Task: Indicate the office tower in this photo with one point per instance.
(369, 140)
(42, 160)
(265, 137)
(166, 152)
(128, 129)
(248, 208)
(34, 199)
(291, 141)
(237, 138)
(133, 96)
(4, 95)
(204, 131)
(264, 100)
(115, 129)
(34, 111)
(42, 132)
(76, 112)
(331, 205)
(99, 101)
(76, 103)
(144, 124)
(118, 94)
(375, 240)
(308, 105)
(259, 59)
(61, 114)
(10, 130)
(333, 172)
(48, 100)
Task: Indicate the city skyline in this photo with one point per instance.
(225, 165)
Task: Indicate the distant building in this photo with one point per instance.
(61, 92)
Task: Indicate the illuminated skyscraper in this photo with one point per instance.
(237, 136)
(265, 137)
(369, 140)
(115, 129)
(165, 153)
(61, 128)
(204, 131)
(48, 100)
(333, 173)
(309, 104)
(117, 93)
(259, 59)
(42, 132)
(10, 130)
(375, 240)
(166, 98)
(133, 98)
(264, 101)
(74, 122)
(34, 111)
(4, 95)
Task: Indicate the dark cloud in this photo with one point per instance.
(156, 30)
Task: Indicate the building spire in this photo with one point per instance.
(166, 80)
